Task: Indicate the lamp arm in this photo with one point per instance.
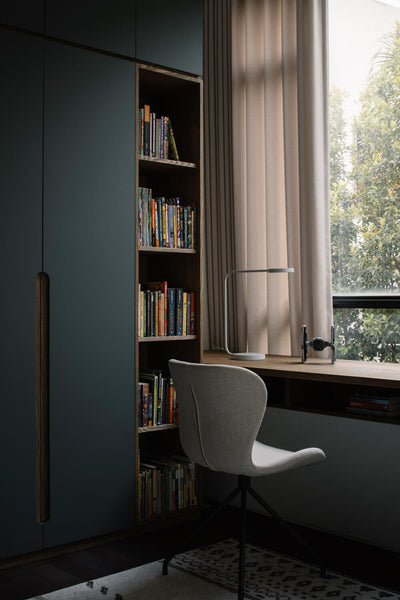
(229, 273)
(226, 311)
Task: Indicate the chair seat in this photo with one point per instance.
(268, 460)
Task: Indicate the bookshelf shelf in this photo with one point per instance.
(169, 208)
(167, 338)
(156, 250)
(155, 428)
(147, 161)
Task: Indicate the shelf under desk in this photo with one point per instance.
(318, 385)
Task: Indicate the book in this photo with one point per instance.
(171, 403)
(171, 327)
(140, 130)
(373, 412)
(373, 401)
(179, 311)
(192, 314)
(184, 312)
(173, 151)
(165, 141)
(146, 130)
(145, 415)
(374, 405)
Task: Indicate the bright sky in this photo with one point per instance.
(355, 30)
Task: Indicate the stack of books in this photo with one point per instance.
(156, 137)
(165, 311)
(165, 222)
(166, 484)
(375, 406)
(156, 399)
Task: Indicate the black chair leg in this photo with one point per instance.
(244, 483)
(284, 524)
(202, 524)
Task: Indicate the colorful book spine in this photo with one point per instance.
(173, 151)
(156, 399)
(146, 130)
(375, 406)
(155, 135)
(165, 311)
(165, 222)
(171, 326)
(166, 484)
(179, 311)
(184, 312)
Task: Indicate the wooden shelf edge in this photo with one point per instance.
(153, 428)
(384, 375)
(167, 162)
(167, 338)
(154, 249)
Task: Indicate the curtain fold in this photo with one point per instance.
(275, 211)
(219, 203)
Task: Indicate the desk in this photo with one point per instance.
(317, 385)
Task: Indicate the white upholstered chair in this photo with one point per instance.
(221, 408)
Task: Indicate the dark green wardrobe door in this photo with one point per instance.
(170, 33)
(20, 259)
(89, 257)
(105, 24)
(27, 14)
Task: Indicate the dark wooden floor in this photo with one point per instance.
(34, 577)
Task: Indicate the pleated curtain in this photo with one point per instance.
(267, 194)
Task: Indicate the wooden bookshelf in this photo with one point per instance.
(179, 97)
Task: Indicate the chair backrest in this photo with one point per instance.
(220, 412)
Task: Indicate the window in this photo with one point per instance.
(364, 125)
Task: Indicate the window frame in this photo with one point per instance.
(367, 301)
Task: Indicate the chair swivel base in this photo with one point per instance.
(243, 488)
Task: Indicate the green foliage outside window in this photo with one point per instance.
(365, 209)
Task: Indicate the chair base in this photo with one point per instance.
(244, 488)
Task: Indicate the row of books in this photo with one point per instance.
(165, 222)
(376, 406)
(166, 484)
(156, 136)
(165, 311)
(156, 399)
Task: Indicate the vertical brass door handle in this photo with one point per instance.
(42, 397)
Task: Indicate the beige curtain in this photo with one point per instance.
(279, 208)
(219, 202)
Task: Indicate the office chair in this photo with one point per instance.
(221, 408)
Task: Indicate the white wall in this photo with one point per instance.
(354, 493)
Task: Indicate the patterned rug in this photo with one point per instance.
(210, 573)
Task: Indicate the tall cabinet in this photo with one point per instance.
(88, 254)
(67, 209)
(21, 258)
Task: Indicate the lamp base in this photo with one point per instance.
(247, 355)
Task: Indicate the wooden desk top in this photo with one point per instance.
(385, 375)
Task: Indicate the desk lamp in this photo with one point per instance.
(244, 355)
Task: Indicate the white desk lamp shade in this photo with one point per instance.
(245, 355)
